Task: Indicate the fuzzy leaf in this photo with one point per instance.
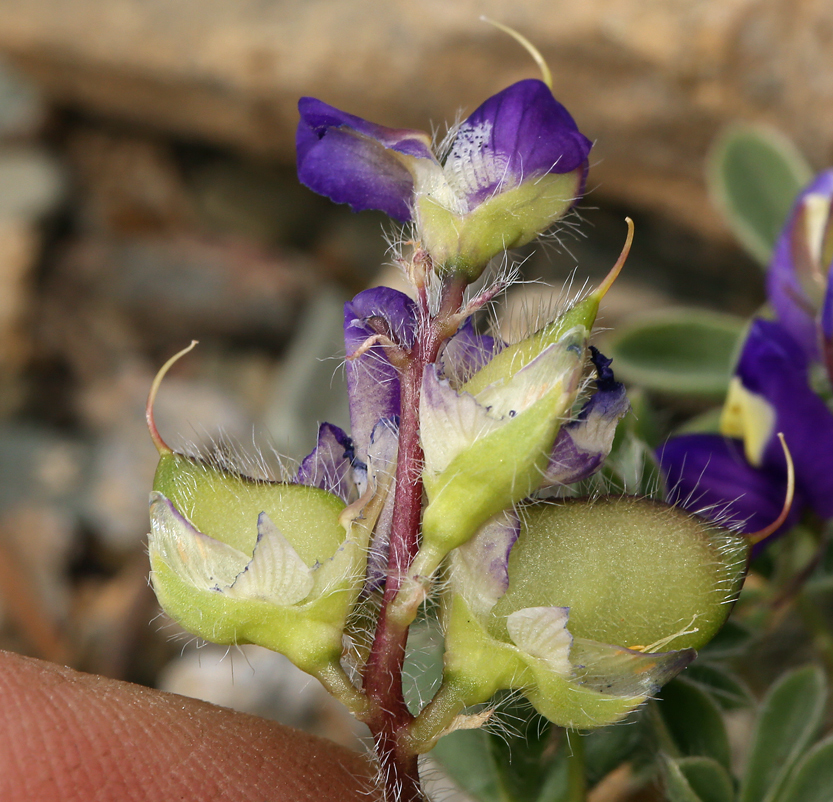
(727, 689)
(695, 722)
(754, 175)
(467, 758)
(422, 671)
(698, 779)
(530, 761)
(788, 720)
(812, 779)
(679, 352)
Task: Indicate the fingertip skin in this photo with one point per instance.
(77, 737)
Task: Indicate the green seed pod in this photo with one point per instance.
(632, 571)
(237, 560)
(598, 604)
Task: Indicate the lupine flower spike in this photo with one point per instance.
(443, 489)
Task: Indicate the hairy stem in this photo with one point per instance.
(389, 717)
(436, 717)
(576, 773)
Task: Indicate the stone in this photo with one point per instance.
(19, 249)
(42, 476)
(254, 680)
(127, 184)
(22, 110)
(108, 296)
(652, 83)
(31, 182)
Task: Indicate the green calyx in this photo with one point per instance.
(506, 363)
(463, 244)
(503, 466)
(496, 471)
(225, 506)
(242, 561)
(477, 665)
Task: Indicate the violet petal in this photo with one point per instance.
(330, 465)
(372, 381)
(520, 133)
(708, 474)
(466, 353)
(827, 315)
(351, 160)
(381, 467)
(773, 365)
(582, 445)
(795, 310)
(480, 569)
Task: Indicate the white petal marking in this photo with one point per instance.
(472, 163)
(196, 558)
(449, 421)
(275, 573)
(542, 632)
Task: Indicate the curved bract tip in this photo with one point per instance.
(161, 446)
(546, 75)
(763, 534)
(607, 283)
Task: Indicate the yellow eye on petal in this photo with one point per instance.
(749, 417)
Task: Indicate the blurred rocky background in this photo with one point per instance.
(147, 198)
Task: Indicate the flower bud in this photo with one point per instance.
(487, 451)
(489, 445)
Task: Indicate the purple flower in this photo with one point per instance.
(743, 475)
(798, 281)
(338, 462)
(349, 466)
(708, 474)
(582, 445)
(354, 161)
(511, 169)
(372, 381)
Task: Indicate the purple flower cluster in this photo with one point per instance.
(340, 463)
(743, 475)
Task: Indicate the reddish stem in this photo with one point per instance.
(389, 716)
